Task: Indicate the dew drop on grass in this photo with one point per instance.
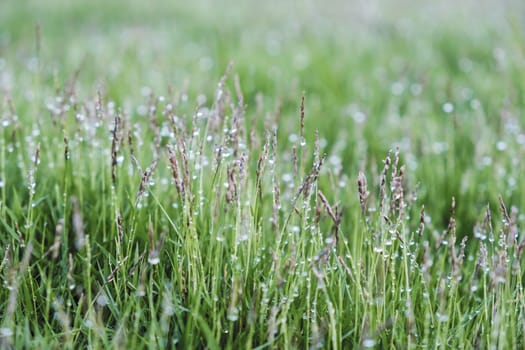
(303, 142)
(501, 145)
(448, 107)
(287, 177)
(441, 318)
(154, 260)
(102, 300)
(233, 314)
(359, 117)
(479, 235)
(369, 343)
(6, 332)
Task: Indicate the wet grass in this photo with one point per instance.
(338, 186)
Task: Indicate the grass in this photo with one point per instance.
(336, 186)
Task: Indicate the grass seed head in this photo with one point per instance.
(145, 181)
(175, 171)
(114, 148)
(362, 190)
(382, 184)
(55, 248)
(421, 222)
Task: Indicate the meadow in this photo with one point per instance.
(238, 175)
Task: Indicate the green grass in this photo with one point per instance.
(152, 195)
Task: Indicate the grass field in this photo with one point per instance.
(285, 175)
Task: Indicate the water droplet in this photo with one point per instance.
(441, 318)
(303, 142)
(242, 237)
(153, 259)
(448, 107)
(501, 145)
(102, 300)
(292, 138)
(6, 332)
(233, 314)
(369, 343)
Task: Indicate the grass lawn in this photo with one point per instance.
(282, 175)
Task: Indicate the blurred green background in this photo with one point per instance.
(442, 81)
